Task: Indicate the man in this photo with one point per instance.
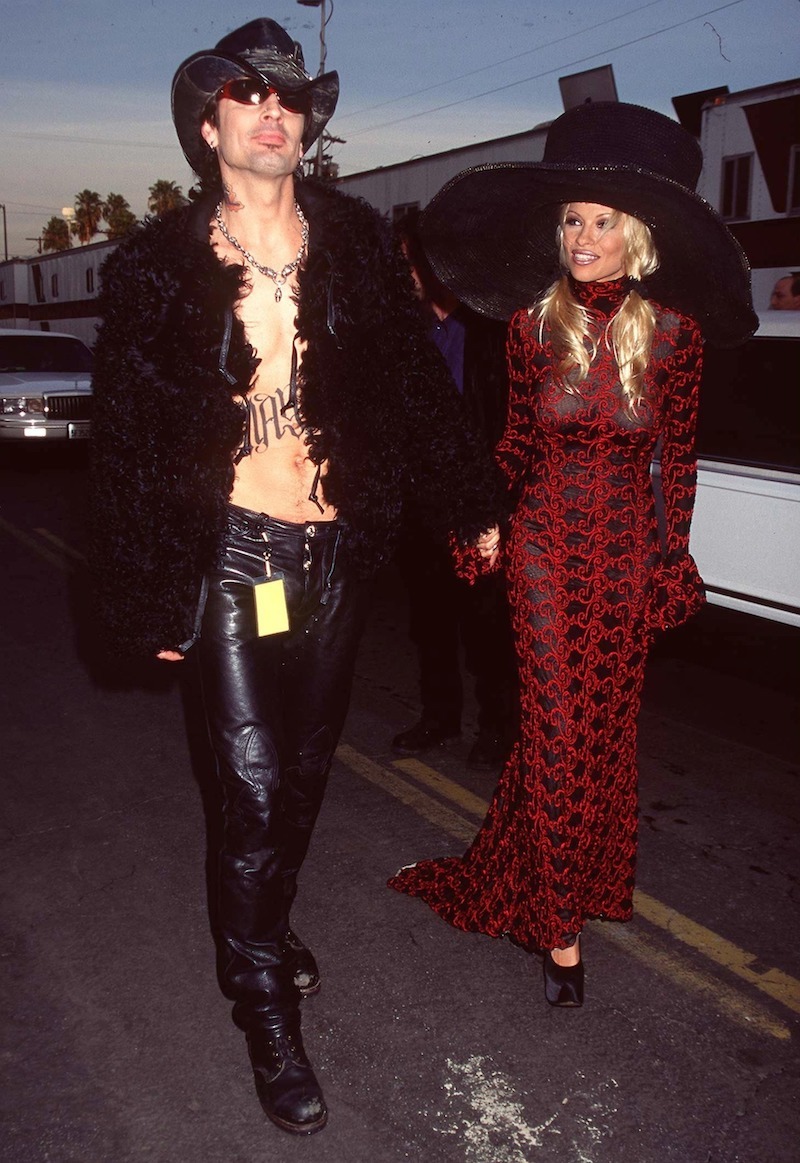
(786, 293)
(265, 401)
(445, 611)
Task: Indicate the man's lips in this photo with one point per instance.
(269, 137)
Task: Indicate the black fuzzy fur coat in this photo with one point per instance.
(171, 362)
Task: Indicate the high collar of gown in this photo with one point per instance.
(600, 298)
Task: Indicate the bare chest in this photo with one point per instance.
(276, 475)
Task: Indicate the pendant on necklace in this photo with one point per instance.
(278, 277)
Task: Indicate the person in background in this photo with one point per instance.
(266, 401)
(613, 270)
(786, 293)
(446, 613)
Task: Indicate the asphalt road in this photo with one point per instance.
(431, 1045)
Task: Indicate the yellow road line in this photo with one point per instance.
(430, 809)
(725, 998)
(774, 982)
(444, 786)
(36, 546)
(781, 987)
(62, 545)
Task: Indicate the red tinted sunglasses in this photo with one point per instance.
(249, 91)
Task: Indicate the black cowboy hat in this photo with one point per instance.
(490, 233)
(260, 50)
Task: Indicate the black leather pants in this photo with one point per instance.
(275, 707)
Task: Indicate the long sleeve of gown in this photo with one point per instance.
(514, 449)
(678, 588)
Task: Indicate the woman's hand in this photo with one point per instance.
(488, 545)
(170, 656)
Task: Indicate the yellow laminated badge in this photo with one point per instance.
(272, 616)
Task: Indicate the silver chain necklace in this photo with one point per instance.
(278, 277)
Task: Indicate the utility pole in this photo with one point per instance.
(5, 231)
(323, 53)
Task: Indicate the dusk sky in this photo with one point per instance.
(85, 83)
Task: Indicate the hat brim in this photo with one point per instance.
(204, 73)
(490, 235)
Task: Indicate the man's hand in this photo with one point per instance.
(170, 655)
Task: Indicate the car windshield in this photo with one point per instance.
(32, 353)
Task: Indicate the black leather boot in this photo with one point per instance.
(285, 1081)
(306, 970)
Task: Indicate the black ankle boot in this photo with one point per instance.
(285, 1081)
(563, 984)
(306, 971)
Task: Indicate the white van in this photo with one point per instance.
(746, 525)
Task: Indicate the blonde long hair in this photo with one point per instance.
(630, 331)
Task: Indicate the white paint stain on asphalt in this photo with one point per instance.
(484, 1113)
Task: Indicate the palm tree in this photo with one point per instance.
(55, 235)
(118, 215)
(88, 214)
(164, 196)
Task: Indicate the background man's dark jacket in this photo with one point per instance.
(485, 374)
(172, 364)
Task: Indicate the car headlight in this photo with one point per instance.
(21, 405)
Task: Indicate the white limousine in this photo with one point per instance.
(746, 525)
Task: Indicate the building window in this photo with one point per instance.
(54, 286)
(38, 282)
(2, 290)
(90, 279)
(402, 209)
(793, 201)
(736, 172)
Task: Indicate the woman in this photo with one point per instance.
(604, 366)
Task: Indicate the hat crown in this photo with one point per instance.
(613, 135)
(260, 38)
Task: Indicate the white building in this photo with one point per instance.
(751, 173)
(54, 292)
(411, 185)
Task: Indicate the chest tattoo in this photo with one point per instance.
(270, 418)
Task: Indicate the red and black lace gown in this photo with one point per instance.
(588, 585)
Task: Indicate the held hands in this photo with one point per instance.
(488, 545)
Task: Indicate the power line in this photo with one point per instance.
(546, 73)
(94, 140)
(505, 61)
(28, 208)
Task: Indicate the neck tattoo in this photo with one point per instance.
(278, 277)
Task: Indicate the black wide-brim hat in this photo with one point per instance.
(490, 232)
(263, 50)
